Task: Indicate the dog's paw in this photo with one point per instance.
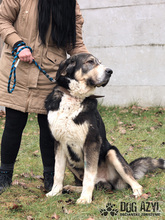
(84, 200)
(51, 193)
(137, 192)
(56, 190)
(67, 189)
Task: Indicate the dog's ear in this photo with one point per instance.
(71, 65)
(66, 67)
(61, 70)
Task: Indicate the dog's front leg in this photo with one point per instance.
(91, 155)
(60, 165)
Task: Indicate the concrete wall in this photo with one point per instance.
(129, 37)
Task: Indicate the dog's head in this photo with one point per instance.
(81, 74)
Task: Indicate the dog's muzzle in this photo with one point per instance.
(108, 72)
(107, 75)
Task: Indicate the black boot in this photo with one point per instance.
(5, 179)
(48, 180)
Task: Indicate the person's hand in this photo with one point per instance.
(25, 55)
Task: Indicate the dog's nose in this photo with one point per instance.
(108, 71)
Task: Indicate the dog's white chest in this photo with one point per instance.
(64, 128)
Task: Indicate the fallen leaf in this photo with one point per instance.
(145, 195)
(36, 176)
(131, 127)
(35, 153)
(131, 148)
(124, 111)
(145, 109)
(60, 201)
(66, 211)
(16, 175)
(158, 113)
(26, 175)
(122, 130)
(152, 128)
(113, 139)
(30, 217)
(109, 191)
(135, 112)
(158, 195)
(69, 201)
(2, 114)
(15, 206)
(143, 140)
(55, 216)
(149, 194)
(16, 182)
(147, 147)
(26, 134)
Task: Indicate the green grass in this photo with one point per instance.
(134, 130)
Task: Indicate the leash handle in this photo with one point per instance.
(15, 64)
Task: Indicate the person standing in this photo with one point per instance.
(53, 29)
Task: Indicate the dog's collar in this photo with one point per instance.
(62, 89)
(96, 96)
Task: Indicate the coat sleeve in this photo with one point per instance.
(79, 46)
(9, 10)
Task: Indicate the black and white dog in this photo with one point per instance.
(80, 136)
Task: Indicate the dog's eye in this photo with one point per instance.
(90, 61)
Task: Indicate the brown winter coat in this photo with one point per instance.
(32, 86)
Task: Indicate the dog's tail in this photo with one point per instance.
(143, 165)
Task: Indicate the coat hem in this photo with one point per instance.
(22, 109)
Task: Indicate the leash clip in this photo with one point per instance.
(16, 64)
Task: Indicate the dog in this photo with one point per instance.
(80, 136)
